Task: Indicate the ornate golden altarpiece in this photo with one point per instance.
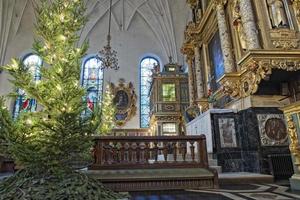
(248, 59)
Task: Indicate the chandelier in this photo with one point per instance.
(107, 55)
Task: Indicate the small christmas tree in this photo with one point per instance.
(108, 112)
(46, 142)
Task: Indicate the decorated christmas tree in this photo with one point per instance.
(108, 112)
(46, 142)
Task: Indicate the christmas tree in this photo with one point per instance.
(108, 112)
(47, 141)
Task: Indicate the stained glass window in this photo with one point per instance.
(147, 65)
(23, 104)
(92, 80)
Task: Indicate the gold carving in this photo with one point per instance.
(125, 101)
(219, 2)
(284, 38)
(294, 145)
(237, 23)
(192, 3)
(296, 5)
(288, 65)
(255, 67)
(231, 85)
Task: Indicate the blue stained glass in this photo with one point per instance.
(23, 104)
(146, 67)
(92, 80)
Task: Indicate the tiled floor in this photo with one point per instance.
(227, 192)
(279, 191)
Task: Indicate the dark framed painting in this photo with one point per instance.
(125, 102)
(227, 133)
(217, 61)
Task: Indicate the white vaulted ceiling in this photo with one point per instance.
(166, 20)
(157, 14)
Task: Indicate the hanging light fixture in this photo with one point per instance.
(107, 55)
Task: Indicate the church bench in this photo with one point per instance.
(152, 163)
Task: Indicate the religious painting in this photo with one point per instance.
(125, 102)
(216, 57)
(227, 133)
(272, 129)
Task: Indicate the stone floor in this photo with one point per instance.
(268, 191)
(226, 192)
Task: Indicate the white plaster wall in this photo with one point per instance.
(139, 28)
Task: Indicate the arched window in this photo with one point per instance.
(147, 64)
(92, 80)
(23, 104)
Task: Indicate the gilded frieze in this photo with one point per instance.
(255, 67)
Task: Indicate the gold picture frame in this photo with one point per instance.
(125, 102)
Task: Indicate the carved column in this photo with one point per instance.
(191, 79)
(199, 74)
(291, 111)
(224, 37)
(249, 24)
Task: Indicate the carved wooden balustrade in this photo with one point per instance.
(136, 152)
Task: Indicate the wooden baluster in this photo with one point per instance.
(130, 152)
(174, 149)
(183, 151)
(106, 152)
(202, 152)
(155, 151)
(147, 152)
(138, 152)
(122, 151)
(165, 151)
(127, 146)
(114, 152)
(192, 148)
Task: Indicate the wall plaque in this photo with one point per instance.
(272, 129)
(125, 102)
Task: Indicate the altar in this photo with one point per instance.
(203, 124)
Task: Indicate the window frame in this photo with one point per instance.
(140, 88)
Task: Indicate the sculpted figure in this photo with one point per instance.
(277, 13)
(237, 23)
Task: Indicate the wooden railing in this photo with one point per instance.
(117, 152)
(130, 132)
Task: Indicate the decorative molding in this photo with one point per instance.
(255, 67)
(284, 38)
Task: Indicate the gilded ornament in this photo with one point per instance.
(296, 5)
(231, 88)
(237, 23)
(294, 142)
(219, 2)
(125, 102)
(192, 3)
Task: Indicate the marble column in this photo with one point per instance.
(191, 80)
(199, 74)
(225, 39)
(249, 24)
